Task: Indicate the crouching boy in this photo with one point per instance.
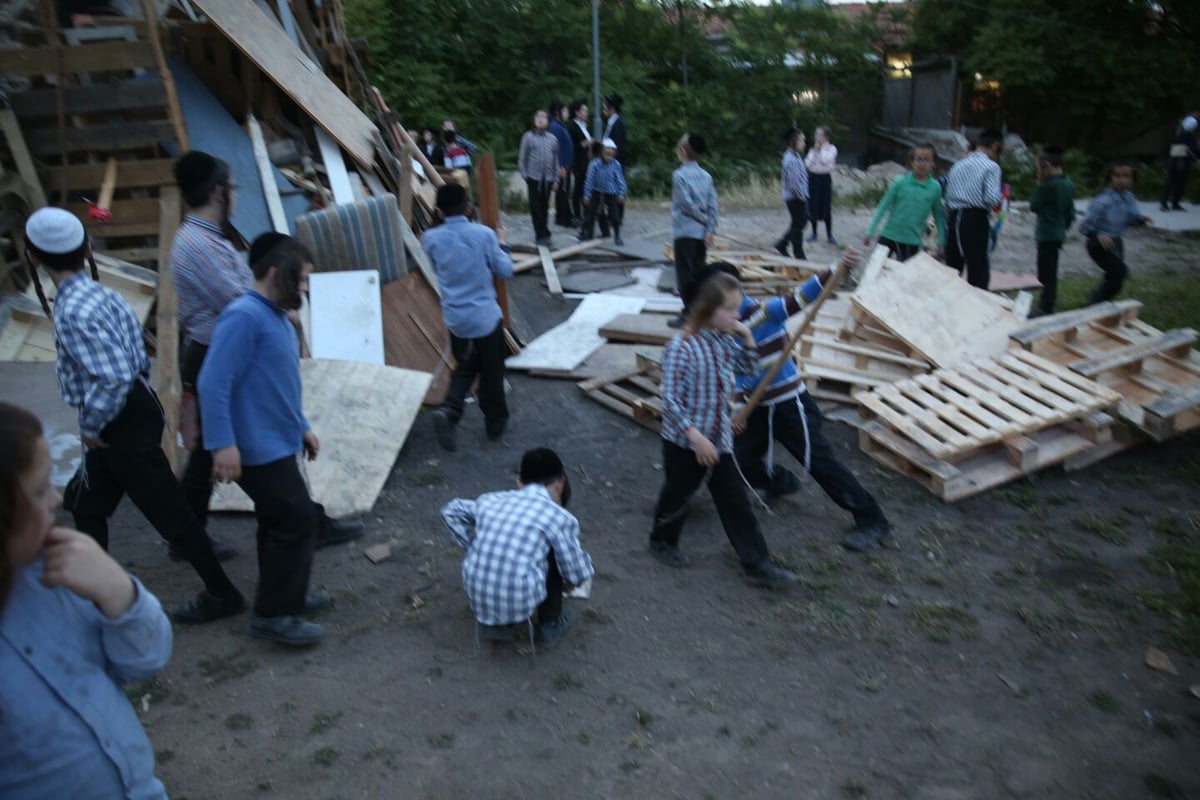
(521, 545)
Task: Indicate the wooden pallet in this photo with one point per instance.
(636, 395)
(1156, 373)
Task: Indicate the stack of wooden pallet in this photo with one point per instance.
(636, 395)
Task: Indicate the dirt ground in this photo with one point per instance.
(996, 651)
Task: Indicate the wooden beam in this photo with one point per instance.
(526, 264)
(166, 361)
(124, 212)
(405, 193)
(164, 73)
(147, 93)
(267, 175)
(335, 169)
(20, 154)
(98, 57)
(108, 185)
(550, 272)
(119, 136)
(152, 172)
(413, 244)
(489, 214)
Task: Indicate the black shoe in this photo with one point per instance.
(1163, 207)
(670, 555)
(677, 322)
(783, 482)
(618, 241)
(338, 531)
(443, 429)
(781, 248)
(494, 432)
(544, 241)
(868, 537)
(1177, 207)
(206, 607)
(221, 549)
(290, 631)
(768, 575)
(549, 634)
(317, 601)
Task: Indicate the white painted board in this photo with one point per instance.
(347, 316)
(565, 346)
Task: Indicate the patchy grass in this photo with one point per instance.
(884, 571)
(1052, 627)
(164, 756)
(564, 681)
(1171, 298)
(323, 722)
(427, 476)
(644, 718)
(1159, 786)
(239, 722)
(941, 622)
(1114, 529)
(1030, 531)
(1181, 561)
(1067, 552)
(219, 669)
(1021, 495)
(441, 741)
(325, 757)
(596, 617)
(1104, 701)
(629, 766)
(855, 789)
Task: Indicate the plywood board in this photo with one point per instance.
(565, 346)
(639, 329)
(362, 414)
(414, 333)
(265, 43)
(937, 314)
(347, 316)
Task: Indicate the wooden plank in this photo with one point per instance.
(335, 169)
(1015, 387)
(639, 329)
(489, 214)
(1049, 367)
(413, 245)
(166, 360)
(964, 403)
(174, 112)
(266, 172)
(948, 413)
(414, 334)
(20, 153)
(1169, 343)
(130, 212)
(568, 344)
(1086, 396)
(114, 136)
(131, 174)
(131, 95)
(875, 405)
(95, 57)
(993, 396)
(526, 264)
(266, 44)
(358, 450)
(1109, 313)
(550, 271)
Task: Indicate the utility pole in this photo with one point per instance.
(596, 67)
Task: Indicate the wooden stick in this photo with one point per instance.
(164, 72)
(551, 273)
(405, 193)
(810, 314)
(108, 185)
(526, 264)
(166, 355)
(489, 214)
(267, 175)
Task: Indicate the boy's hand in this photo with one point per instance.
(867, 241)
(1105, 241)
(227, 464)
(1145, 220)
(710, 240)
(312, 446)
(502, 233)
(851, 258)
(76, 562)
(621, 200)
(94, 444)
(706, 452)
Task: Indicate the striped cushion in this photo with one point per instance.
(363, 235)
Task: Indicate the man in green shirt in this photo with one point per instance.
(1053, 202)
(908, 203)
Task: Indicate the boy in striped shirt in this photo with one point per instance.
(789, 415)
(604, 190)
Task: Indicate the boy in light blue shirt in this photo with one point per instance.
(694, 215)
(1108, 215)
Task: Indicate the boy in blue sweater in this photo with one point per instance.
(253, 422)
(604, 193)
(788, 415)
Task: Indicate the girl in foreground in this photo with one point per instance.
(698, 378)
(72, 624)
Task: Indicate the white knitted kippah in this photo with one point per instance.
(1189, 123)
(54, 230)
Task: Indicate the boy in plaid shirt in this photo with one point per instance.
(521, 545)
(604, 192)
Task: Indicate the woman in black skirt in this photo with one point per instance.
(821, 161)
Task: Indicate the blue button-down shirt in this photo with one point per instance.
(1110, 212)
(694, 209)
(100, 350)
(604, 178)
(465, 258)
(209, 275)
(508, 537)
(66, 728)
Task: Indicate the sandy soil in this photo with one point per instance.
(995, 652)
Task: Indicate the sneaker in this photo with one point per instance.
(1177, 207)
(677, 322)
(768, 575)
(221, 549)
(783, 482)
(338, 531)
(207, 607)
(494, 432)
(317, 601)
(290, 631)
(781, 248)
(544, 241)
(833, 242)
(549, 634)
(670, 555)
(1164, 207)
(443, 429)
(618, 241)
(868, 537)
(812, 238)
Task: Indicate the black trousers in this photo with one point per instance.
(287, 535)
(1112, 262)
(197, 475)
(797, 426)
(481, 358)
(134, 464)
(1176, 182)
(683, 477)
(899, 250)
(794, 235)
(690, 257)
(551, 608)
(562, 202)
(539, 206)
(820, 201)
(579, 175)
(608, 209)
(967, 233)
(1047, 272)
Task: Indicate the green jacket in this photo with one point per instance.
(908, 204)
(1054, 203)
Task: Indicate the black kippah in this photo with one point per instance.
(697, 143)
(194, 170)
(450, 197)
(264, 244)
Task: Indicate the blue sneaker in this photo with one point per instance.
(549, 634)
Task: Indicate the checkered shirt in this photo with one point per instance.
(208, 275)
(604, 178)
(508, 537)
(100, 351)
(698, 380)
(538, 157)
(794, 177)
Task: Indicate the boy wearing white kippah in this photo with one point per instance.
(604, 192)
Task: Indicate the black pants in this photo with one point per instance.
(1113, 264)
(134, 464)
(551, 608)
(481, 358)
(794, 235)
(899, 250)
(197, 475)
(539, 206)
(690, 257)
(1176, 182)
(967, 234)
(820, 201)
(797, 426)
(608, 209)
(1047, 272)
(287, 535)
(683, 477)
(579, 175)
(562, 203)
